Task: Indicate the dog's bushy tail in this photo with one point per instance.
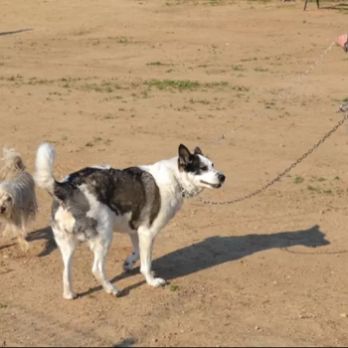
(45, 158)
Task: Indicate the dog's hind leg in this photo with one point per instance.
(100, 247)
(146, 239)
(134, 257)
(67, 245)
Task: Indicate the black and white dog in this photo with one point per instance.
(91, 203)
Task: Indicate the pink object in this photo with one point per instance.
(342, 40)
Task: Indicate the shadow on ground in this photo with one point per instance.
(47, 235)
(3, 33)
(342, 6)
(217, 250)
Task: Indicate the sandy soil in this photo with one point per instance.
(125, 82)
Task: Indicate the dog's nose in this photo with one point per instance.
(2, 210)
(221, 177)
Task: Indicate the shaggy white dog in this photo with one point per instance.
(17, 196)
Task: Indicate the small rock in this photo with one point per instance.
(344, 315)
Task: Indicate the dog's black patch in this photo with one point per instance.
(189, 162)
(129, 190)
(195, 165)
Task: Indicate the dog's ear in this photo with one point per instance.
(184, 156)
(198, 151)
(19, 163)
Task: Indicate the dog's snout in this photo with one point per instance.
(221, 177)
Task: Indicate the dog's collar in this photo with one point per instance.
(186, 193)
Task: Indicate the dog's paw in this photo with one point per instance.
(69, 295)
(130, 261)
(128, 266)
(115, 292)
(157, 282)
(112, 290)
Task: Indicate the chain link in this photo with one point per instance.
(285, 171)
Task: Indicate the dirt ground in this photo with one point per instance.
(254, 84)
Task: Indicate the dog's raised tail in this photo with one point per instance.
(44, 163)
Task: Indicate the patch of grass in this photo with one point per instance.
(98, 140)
(82, 31)
(120, 39)
(314, 188)
(109, 117)
(3, 306)
(298, 179)
(324, 185)
(199, 101)
(219, 84)
(198, 2)
(158, 63)
(173, 287)
(145, 94)
(102, 87)
(173, 84)
(237, 67)
(240, 88)
(261, 1)
(260, 69)
(270, 104)
(318, 179)
(188, 85)
(251, 59)
(12, 78)
(215, 2)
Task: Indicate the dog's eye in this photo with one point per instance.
(203, 168)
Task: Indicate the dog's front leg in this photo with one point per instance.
(146, 239)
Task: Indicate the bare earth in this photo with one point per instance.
(125, 82)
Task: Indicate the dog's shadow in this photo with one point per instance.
(338, 6)
(3, 33)
(47, 235)
(217, 250)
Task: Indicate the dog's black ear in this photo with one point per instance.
(184, 156)
(198, 151)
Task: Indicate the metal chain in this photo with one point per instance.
(285, 171)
